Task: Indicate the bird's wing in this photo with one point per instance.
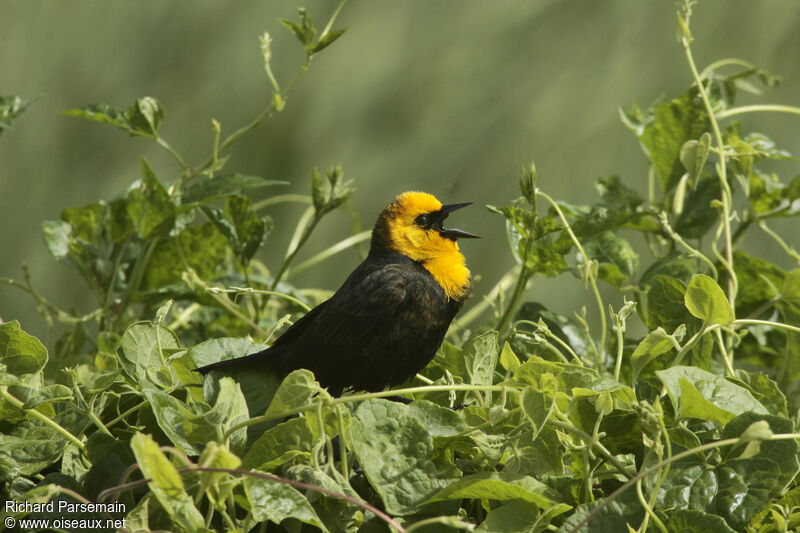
(366, 303)
(348, 325)
(362, 301)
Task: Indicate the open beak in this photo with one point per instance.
(452, 234)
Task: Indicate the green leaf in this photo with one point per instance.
(87, 223)
(257, 384)
(120, 223)
(20, 352)
(33, 397)
(508, 359)
(40, 494)
(296, 390)
(790, 296)
(537, 403)
(694, 154)
(192, 427)
(758, 281)
(218, 485)
(222, 185)
(327, 40)
(519, 517)
(149, 206)
(696, 393)
(273, 501)
(329, 193)
(706, 300)
(686, 521)
(665, 303)
(142, 348)
(244, 229)
(765, 390)
(203, 247)
(80, 243)
(497, 486)
(396, 452)
(166, 483)
(697, 215)
(480, 358)
(222, 349)
(143, 117)
(28, 448)
(10, 108)
(694, 405)
(617, 195)
(280, 444)
(528, 180)
(440, 421)
(180, 424)
(56, 237)
(748, 484)
(671, 125)
(613, 518)
(675, 265)
(614, 251)
(109, 458)
(336, 513)
(305, 30)
(61, 245)
(102, 113)
(654, 344)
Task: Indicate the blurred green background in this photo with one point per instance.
(447, 97)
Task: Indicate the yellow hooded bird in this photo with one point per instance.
(389, 317)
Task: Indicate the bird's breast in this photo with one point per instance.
(452, 275)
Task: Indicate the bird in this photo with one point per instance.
(389, 317)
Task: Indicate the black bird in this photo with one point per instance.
(387, 320)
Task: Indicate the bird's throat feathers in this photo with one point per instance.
(451, 273)
(442, 258)
(396, 229)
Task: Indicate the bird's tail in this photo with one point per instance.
(259, 358)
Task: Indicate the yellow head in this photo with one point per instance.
(413, 224)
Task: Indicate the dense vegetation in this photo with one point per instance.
(526, 420)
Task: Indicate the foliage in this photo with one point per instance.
(10, 108)
(536, 421)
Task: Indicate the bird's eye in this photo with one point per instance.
(423, 220)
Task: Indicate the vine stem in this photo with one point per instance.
(547, 333)
(519, 288)
(594, 443)
(451, 521)
(694, 252)
(725, 62)
(758, 108)
(308, 221)
(791, 252)
(36, 414)
(722, 165)
(241, 472)
(331, 251)
(620, 331)
(282, 198)
(476, 310)
(590, 277)
(249, 290)
(738, 322)
(61, 316)
(165, 145)
(360, 397)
